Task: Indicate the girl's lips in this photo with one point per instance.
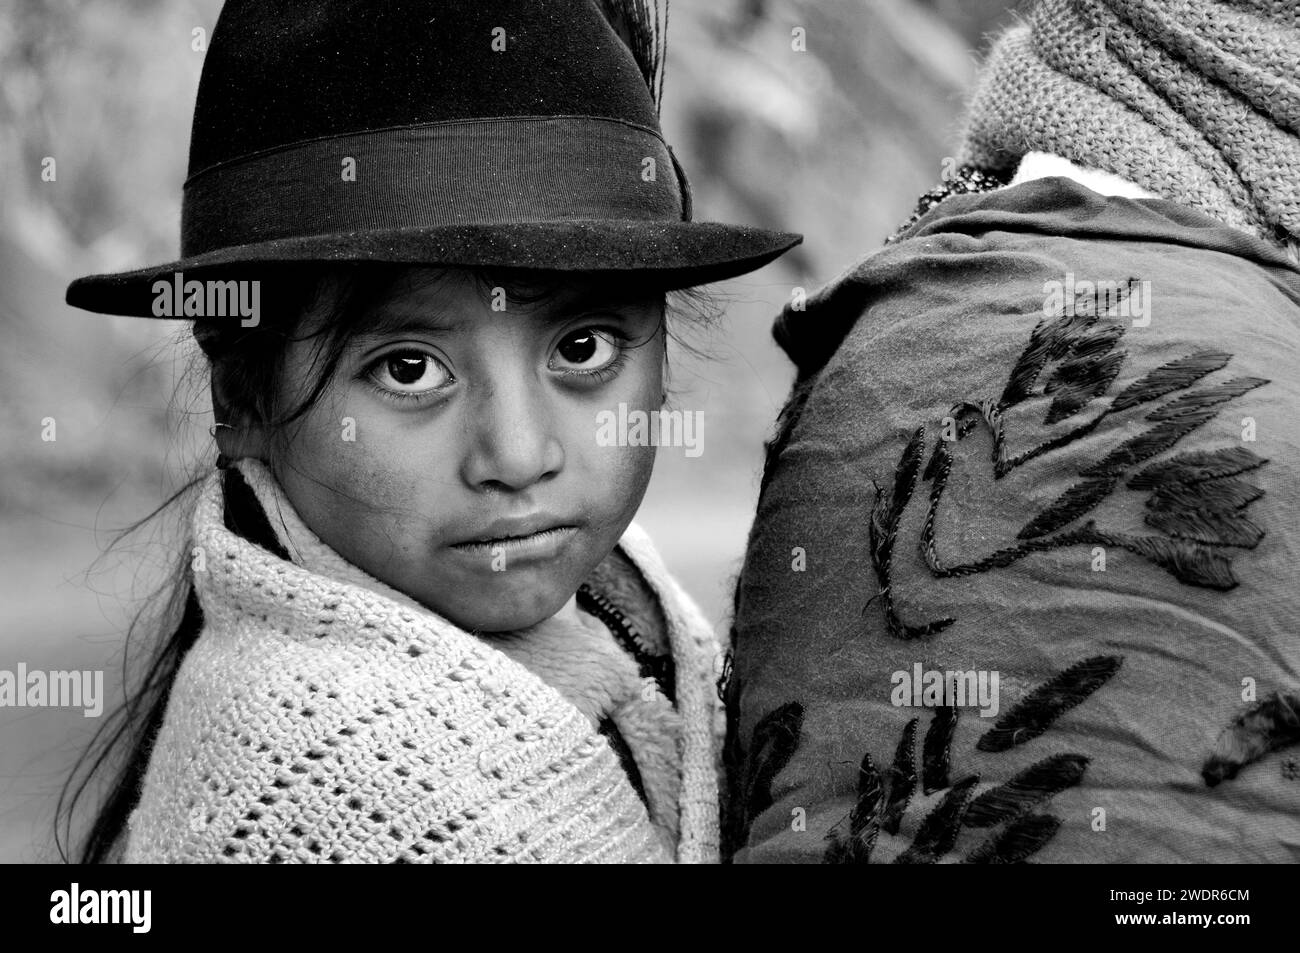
(544, 544)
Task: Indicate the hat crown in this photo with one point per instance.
(452, 133)
(278, 72)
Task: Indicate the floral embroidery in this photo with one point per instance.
(1196, 501)
(1012, 810)
(1268, 725)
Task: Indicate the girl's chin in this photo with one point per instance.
(506, 604)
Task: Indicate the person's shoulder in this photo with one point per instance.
(1071, 203)
(994, 249)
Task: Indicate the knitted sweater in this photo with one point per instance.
(322, 716)
(1197, 101)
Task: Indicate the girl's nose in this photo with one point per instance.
(513, 442)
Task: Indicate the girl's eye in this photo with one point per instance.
(588, 351)
(409, 374)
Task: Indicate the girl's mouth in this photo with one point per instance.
(543, 544)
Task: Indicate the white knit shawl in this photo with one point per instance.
(322, 716)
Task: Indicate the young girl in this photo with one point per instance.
(417, 622)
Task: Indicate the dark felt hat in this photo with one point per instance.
(460, 132)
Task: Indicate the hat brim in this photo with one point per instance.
(673, 255)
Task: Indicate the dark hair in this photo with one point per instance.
(244, 365)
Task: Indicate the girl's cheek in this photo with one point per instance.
(327, 439)
(371, 461)
(388, 467)
(620, 468)
(331, 470)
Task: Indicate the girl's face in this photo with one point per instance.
(454, 455)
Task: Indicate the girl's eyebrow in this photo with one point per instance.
(561, 305)
(395, 321)
(386, 323)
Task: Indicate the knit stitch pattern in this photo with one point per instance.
(1198, 101)
(323, 717)
(585, 664)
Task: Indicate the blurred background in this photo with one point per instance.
(835, 141)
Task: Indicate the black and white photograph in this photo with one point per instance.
(725, 432)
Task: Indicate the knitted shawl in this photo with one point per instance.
(322, 716)
(1198, 101)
